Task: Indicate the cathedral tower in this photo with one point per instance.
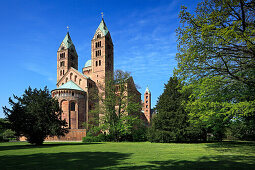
(147, 104)
(101, 55)
(66, 57)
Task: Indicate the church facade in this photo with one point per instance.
(74, 88)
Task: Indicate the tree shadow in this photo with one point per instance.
(233, 146)
(46, 145)
(214, 162)
(63, 160)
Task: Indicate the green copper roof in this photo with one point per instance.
(88, 63)
(67, 40)
(103, 27)
(147, 90)
(70, 85)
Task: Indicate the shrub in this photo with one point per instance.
(99, 138)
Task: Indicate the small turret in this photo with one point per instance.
(147, 104)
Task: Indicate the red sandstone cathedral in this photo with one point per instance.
(74, 88)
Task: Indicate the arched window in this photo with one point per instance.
(98, 35)
(66, 79)
(71, 76)
(99, 62)
(72, 106)
(80, 82)
(75, 78)
(96, 63)
(62, 55)
(62, 63)
(63, 72)
(60, 72)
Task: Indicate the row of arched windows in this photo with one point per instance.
(74, 78)
(62, 72)
(98, 53)
(98, 63)
(98, 44)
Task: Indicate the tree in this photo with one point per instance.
(5, 133)
(120, 108)
(219, 40)
(35, 115)
(217, 59)
(171, 121)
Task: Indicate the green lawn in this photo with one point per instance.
(145, 155)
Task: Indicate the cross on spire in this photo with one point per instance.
(68, 28)
(102, 14)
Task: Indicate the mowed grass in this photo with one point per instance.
(127, 155)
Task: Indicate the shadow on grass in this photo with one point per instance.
(214, 162)
(233, 146)
(63, 160)
(46, 145)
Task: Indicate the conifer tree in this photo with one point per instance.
(171, 121)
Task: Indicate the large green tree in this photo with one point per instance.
(218, 39)
(217, 59)
(35, 115)
(171, 121)
(119, 108)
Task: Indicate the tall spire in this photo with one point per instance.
(102, 27)
(67, 40)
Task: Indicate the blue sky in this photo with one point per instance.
(143, 34)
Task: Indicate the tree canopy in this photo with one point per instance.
(35, 115)
(119, 109)
(218, 40)
(216, 58)
(171, 121)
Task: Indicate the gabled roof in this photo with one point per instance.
(67, 41)
(147, 90)
(76, 71)
(70, 85)
(103, 28)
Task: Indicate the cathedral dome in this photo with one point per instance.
(88, 63)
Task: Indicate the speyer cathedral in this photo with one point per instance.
(74, 88)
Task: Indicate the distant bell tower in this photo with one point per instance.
(147, 104)
(66, 57)
(101, 55)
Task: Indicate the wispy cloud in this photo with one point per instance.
(41, 70)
